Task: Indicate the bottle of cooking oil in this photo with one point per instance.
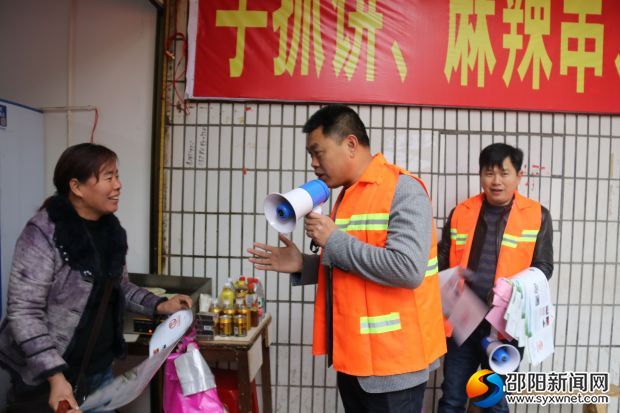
(227, 296)
(252, 304)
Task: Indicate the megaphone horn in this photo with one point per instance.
(503, 357)
(284, 210)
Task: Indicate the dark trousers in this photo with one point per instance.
(458, 366)
(356, 400)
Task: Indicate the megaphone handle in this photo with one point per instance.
(313, 247)
(63, 407)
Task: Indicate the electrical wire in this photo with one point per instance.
(177, 67)
(70, 109)
(176, 36)
(92, 133)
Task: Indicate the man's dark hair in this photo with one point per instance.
(494, 155)
(338, 121)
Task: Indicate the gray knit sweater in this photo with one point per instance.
(402, 263)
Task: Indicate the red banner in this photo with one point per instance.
(549, 55)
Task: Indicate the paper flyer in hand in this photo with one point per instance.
(128, 386)
(530, 314)
(463, 309)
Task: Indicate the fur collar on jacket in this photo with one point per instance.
(75, 244)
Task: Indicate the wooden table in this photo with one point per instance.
(251, 353)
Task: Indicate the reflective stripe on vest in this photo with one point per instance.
(527, 235)
(380, 324)
(364, 222)
(432, 267)
(460, 239)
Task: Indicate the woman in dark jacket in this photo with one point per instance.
(62, 261)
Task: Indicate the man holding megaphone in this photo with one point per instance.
(377, 310)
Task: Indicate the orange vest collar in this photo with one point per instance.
(373, 173)
(519, 200)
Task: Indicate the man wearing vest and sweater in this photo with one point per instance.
(377, 311)
(496, 234)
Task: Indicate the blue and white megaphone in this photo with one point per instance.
(284, 210)
(503, 358)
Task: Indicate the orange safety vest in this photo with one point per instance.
(378, 330)
(518, 241)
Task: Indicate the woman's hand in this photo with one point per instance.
(60, 389)
(174, 304)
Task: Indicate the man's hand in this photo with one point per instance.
(60, 389)
(174, 304)
(319, 227)
(281, 259)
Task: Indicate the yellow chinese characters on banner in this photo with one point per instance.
(536, 20)
(305, 14)
(347, 51)
(241, 19)
(469, 46)
(582, 31)
(298, 21)
(522, 54)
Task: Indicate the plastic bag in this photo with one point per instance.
(203, 401)
(193, 371)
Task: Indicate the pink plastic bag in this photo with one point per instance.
(174, 401)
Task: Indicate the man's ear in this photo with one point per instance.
(519, 176)
(74, 187)
(351, 142)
